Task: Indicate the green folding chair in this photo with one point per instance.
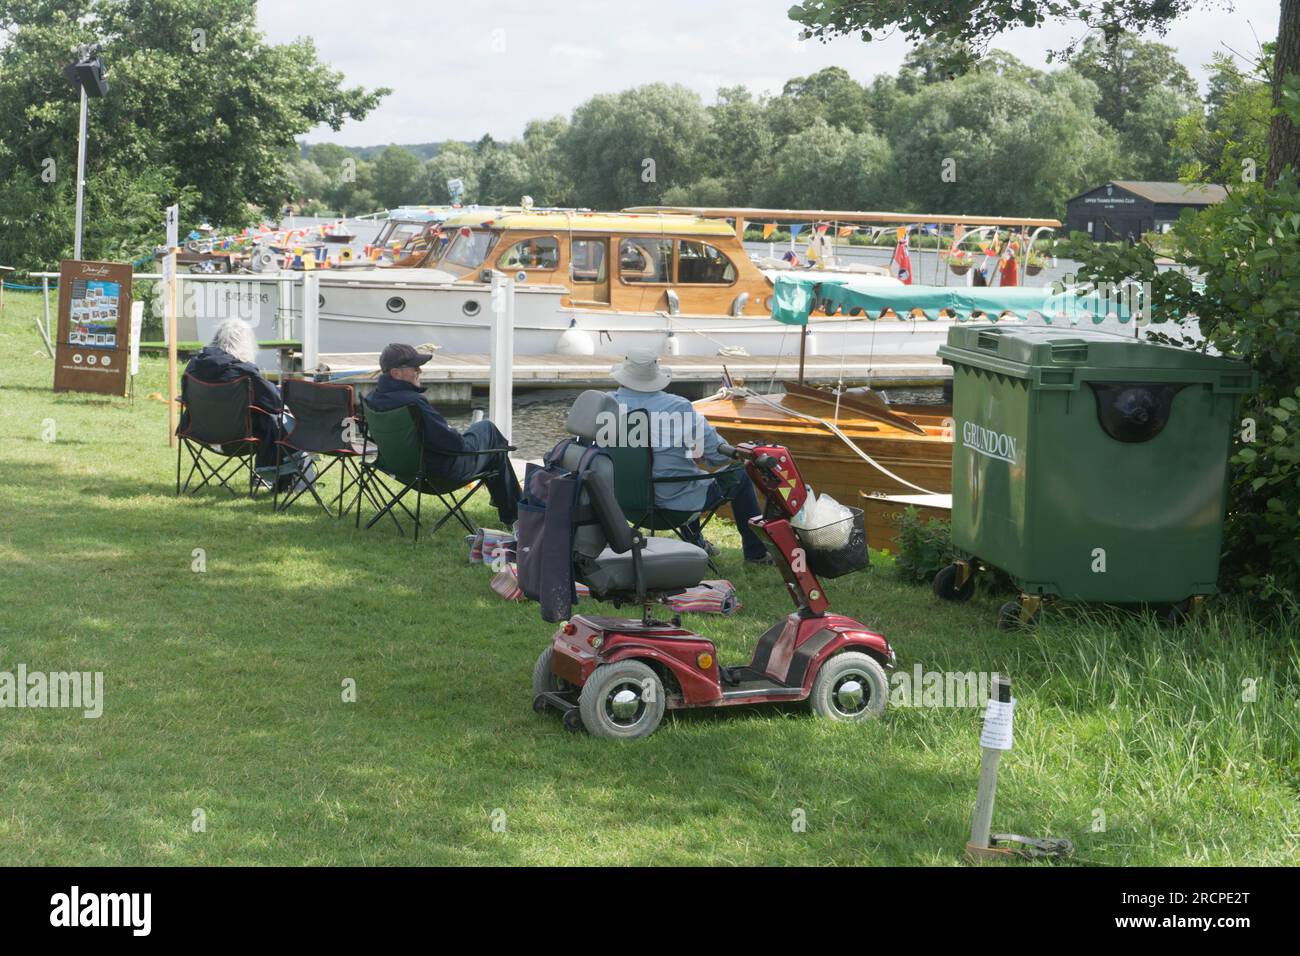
(398, 469)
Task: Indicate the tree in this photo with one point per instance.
(625, 149)
(741, 146)
(833, 95)
(1228, 143)
(1127, 70)
(977, 22)
(398, 177)
(200, 109)
(825, 167)
(1013, 143)
(454, 161)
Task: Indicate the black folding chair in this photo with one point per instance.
(322, 412)
(398, 437)
(217, 421)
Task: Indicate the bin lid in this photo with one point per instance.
(1007, 349)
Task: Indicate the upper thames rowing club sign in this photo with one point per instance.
(92, 350)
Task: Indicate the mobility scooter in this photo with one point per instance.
(616, 676)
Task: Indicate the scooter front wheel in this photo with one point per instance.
(622, 701)
(851, 686)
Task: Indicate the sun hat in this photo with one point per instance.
(640, 372)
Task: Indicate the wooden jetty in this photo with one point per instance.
(452, 378)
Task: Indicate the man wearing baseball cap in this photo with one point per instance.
(399, 385)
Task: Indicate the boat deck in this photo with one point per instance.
(452, 374)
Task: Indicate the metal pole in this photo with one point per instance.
(45, 291)
(81, 174)
(502, 358)
(310, 323)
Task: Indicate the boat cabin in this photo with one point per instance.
(626, 263)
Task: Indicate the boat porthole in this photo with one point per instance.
(395, 304)
(521, 276)
(471, 307)
(320, 301)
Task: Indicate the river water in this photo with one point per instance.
(539, 414)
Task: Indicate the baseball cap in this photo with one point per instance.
(400, 355)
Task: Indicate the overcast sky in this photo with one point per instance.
(459, 70)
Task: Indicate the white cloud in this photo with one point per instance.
(461, 70)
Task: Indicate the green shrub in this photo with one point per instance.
(924, 547)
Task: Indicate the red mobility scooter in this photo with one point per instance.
(617, 676)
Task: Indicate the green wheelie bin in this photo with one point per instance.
(1088, 466)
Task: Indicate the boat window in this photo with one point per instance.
(588, 260)
(645, 260)
(701, 262)
(470, 248)
(540, 252)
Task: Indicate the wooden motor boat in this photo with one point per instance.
(914, 442)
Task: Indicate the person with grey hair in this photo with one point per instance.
(232, 354)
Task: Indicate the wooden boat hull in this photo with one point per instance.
(825, 461)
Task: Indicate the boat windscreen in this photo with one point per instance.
(468, 249)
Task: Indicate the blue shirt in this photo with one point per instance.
(677, 432)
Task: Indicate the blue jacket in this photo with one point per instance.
(440, 439)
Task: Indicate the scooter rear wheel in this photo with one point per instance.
(544, 679)
(623, 701)
(851, 686)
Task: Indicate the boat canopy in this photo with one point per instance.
(796, 297)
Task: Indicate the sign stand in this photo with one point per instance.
(92, 343)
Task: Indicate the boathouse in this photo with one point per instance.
(1122, 210)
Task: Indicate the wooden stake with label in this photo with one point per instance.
(995, 738)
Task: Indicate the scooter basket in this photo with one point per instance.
(837, 548)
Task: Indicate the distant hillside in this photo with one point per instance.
(425, 151)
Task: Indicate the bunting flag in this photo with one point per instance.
(1010, 271)
(901, 233)
(795, 230)
(768, 229)
(846, 231)
(902, 259)
(821, 228)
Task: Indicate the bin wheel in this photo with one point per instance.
(572, 721)
(1182, 613)
(945, 584)
(1011, 617)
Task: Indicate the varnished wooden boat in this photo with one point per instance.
(921, 454)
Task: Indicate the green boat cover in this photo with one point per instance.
(795, 297)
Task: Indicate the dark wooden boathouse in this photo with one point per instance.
(1122, 210)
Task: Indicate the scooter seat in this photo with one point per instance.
(667, 564)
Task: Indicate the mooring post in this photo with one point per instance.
(170, 299)
(310, 323)
(995, 738)
(502, 359)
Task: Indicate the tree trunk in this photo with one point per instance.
(1284, 135)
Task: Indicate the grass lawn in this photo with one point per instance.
(223, 692)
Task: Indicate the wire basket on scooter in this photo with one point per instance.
(837, 548)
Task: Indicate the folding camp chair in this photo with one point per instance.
(398, 437)
(321, 413)
(217, 421)
(634, 483)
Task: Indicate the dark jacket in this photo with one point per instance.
(440, 439)
(216, 365)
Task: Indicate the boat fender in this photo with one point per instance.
(672, 346)
(575, 341)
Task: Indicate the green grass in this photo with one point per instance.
(223, 692)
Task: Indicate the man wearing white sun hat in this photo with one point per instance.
(680, 448)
